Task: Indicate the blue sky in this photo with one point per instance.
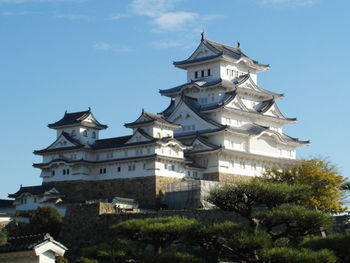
(114, 56)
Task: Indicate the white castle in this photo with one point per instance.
(220, 126)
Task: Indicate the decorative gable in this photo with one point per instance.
(139, 136)
(198, 145)
(189, 119)
(202, 51)
(274, 112)
(63, 141)
(236, 103)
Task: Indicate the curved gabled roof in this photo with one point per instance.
(148, 118)
(77, 118)
(33, 190)
(210, 146)
(76, 145)
(195, 106)
(247, 77)
(199, 83)
(265, 106)
(219, 51)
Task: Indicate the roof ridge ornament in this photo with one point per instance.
(238, 44)
(202, 35)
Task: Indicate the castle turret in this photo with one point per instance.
(81, 126)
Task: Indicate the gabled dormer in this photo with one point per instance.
(215, 60)
(155, 125)
(82, 126)
(63, 142)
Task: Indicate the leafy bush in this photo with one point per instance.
(290, 255)
(338, 243)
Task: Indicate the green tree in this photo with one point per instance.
(293, 222)
(61, 259)
(116, 251)
(244, 198)
(45, 220)
(228, 241)
(86, 260)
(339, 243)
(289, 255)
(160, 232)
(271, 208)
(325, 183)
(3, 237)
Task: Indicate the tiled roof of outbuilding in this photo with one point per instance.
(33, 190)
(6, 203)
(25, 243)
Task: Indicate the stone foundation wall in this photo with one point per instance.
(225, 177)
(148, 191)
(86, 224)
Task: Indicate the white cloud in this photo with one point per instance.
(299, 3)
(151, 8)
(21, 1)
(166, 44)
(35, 1)
(165, 18)
(21, 13)
(117, 16)
(73, 17)
(175, 21)
(104, 46)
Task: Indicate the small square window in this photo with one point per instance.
(119, 169)
(196, 75)
(209, 73)
(202, 73)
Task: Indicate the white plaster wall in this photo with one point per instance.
(241, 166)
(235, 143)
(158, 132)
(214, 71)
(224, 74)
(165, 169)
(47, 257)
(264, 145)
(79, 130)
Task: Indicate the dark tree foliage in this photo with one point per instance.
(176, 257)
(160, 232)
(117, 250)
(290, 255)
(42, 220)
(3, 237)
(86, 260)
(228, 241)
(293, 222)
(245, 198)
(46, 220)
(61, 259)
(339, 243)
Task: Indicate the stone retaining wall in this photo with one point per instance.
(148, 191)
(225, 177)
